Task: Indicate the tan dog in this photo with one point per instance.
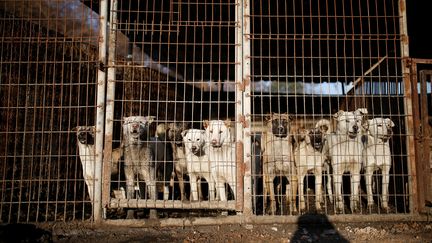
(278, 159)
(175, 130)
(221, 154)
(309, 158)
(198, 164)
(377, 156)
(344, 147)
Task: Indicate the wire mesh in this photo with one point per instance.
(311, 60)
(174, 71)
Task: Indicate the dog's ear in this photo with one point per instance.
(324, 126)
(150, 119)
(390, 122)
(338, 114)
(228, 123)
(361, 111)
(268, 117)
(186, 125)
(183, 133)
(290, 117)
(75, 129)
(206, 123)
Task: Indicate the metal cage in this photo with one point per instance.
(96, 120)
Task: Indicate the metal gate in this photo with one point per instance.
(83, 102)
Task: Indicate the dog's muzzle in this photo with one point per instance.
(216, 144)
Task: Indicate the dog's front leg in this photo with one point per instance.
(294, 187)
(385, 186)
(318, 189)
(130, 185)
(368, 178)
(179, 173)
(337, 177)
(301, 176)
(193, 187)
(355, 196)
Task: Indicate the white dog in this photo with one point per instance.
(198, 164)
(345, 149)
(377, 156)
(278, 159)
(309, 158)
(221, 153)
(137, 154)
(87, 153)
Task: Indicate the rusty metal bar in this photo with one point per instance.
(408, 106)
(425, 166)
(243, 101)
(110, 95)
(172, 204)
(100, 110)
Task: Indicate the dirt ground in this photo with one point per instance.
(320, 230)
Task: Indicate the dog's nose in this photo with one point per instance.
(214, 141)
(281, 129)
(194, 147)
(355, 128)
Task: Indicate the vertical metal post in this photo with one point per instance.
(109, 115)
(409, 122)
(100, 110)
(243, 102)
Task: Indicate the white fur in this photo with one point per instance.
(221, 153)
(377, 156)
(87, 155)
(197, 161)
(345, 150)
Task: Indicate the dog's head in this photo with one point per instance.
(136, 128)
(218, 132)
(194, 140)
(312, 136)
(85, 134)
(381, 128)
(279, 124)
(175, 130)
(161, 131)
(350, 122)
(324, 126)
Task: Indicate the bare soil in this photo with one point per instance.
(322, 231)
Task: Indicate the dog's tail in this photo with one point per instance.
(325, 126)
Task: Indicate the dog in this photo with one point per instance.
(278, 159)
(377, 156)
(198, 164)
(325, 126)
(221, 154)
(175, 137)
(86, 148)
(138, 157)
(344, 147)
(162, 154)
(309, 158)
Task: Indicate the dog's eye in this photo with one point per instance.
(220, 132)
(198, 140)
(189, 140)
(211, 131)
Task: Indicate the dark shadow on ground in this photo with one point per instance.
(316, 228)
(24, 233)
